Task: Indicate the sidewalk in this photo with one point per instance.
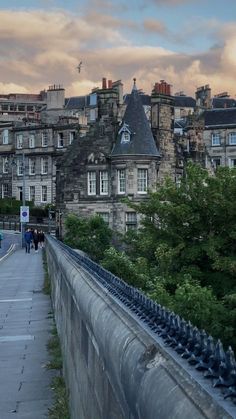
(25, 325)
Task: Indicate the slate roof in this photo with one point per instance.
(220, 102)
(184, 102)
(145, 99)
(141, 138)
(76, 102)
(220, 117)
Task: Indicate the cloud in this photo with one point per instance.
(41, 48)
(155, 26)
(171, 2)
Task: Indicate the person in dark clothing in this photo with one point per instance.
(28, 238)
(36, 240)
(41, 239)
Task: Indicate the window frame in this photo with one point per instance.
(20, 167)
(5, 138)
(32, 164)
(142, 190)
(5, 164)
(91, 183)
(19, 141)
(42, 193)
(60, 137)
(131, 221)
(30, 195)
(104, 182)
(31, 143)
(214, 136)
(121, 180)
(232, 135)
(44, 139)
(44, 163)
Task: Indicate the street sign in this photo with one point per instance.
(24, 214)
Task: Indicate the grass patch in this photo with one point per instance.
(60, 408)
(47, 282)
(54, 349)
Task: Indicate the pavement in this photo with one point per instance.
(25, 327)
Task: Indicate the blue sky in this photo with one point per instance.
(187, 42)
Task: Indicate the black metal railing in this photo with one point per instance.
(192, 344)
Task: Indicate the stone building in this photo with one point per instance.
(115, 159)
(219, 137)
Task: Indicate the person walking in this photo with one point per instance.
(36, 240)
(28, 238)
(41, 239)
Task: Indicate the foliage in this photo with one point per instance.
(188, 238)
(120, 265)
(91, 235)
(192, 228)
(11, 206)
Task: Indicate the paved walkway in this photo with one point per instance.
(25, 325)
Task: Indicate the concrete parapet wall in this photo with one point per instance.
(114, 368)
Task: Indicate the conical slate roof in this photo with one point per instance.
(135, 136)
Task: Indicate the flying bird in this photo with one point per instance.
(79, 67)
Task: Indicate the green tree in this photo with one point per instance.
(92, 235)
(192, 228)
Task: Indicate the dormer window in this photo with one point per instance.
(125, 133)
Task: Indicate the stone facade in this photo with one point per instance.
(92, 156)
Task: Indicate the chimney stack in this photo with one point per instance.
(104, 83)
(109, 84)
(162, 88)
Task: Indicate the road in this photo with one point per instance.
(9, 238)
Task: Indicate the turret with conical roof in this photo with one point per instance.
(135, 137)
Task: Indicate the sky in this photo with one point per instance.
(188, 43)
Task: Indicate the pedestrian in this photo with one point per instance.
(1, 237)
(28, 239)
(32, 243)
(41, 239)
(36, 240)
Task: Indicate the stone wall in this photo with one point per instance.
(113, 366)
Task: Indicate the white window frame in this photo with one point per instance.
(5, 194)
(44, 189)
(5, 136)
(103, 182)
(91, 183)
(44, 139)
(121, 175)
(215, 139)
(232, 138)
(19, 141)
(20, 167)
(5, 165)
(142, 181)
(131, 220)
(44, 165)
(105, 216)
(31, 141)
(231, 160)
(32, 165)
(71, 137)
(30, 193)
(60, 140)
